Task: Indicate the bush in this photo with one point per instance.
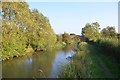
(82, 46)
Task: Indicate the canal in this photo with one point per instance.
(44, 64)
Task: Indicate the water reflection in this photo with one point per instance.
(29, 61)
(39, 65)
(57, 64)
(16, 68)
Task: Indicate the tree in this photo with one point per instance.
(13, 34)
(59, 38)
(42, 35)
(108, 32)
(23, 27)
(91, 31)
(66, 38)
(111, 30)
(104, 32)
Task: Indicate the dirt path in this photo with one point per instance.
(103, 66)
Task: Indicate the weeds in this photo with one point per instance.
(79, 66)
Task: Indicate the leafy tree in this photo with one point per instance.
(91, 31)
(59, 38)
(104, 32)
(66, 38)
(42, 35)
(23, 27)
(13, 38)
(108, 32)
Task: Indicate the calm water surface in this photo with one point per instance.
(40, 65)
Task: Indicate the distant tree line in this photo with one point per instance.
(68, 38)
(92, 31)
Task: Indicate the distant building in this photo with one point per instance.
(72, 35)
(83, 39)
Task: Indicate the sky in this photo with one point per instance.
(71, 17)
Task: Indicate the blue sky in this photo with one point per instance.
(71, 17)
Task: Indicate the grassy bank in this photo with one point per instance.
(87, 65)
(107, 62)
(111, 47)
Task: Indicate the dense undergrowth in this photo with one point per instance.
(86, 65)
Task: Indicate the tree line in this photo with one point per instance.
(92, 31)
(107, 39)
(24, 28)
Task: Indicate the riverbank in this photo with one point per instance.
(30, 51)
(90, 63)
(111, 47)
(27, 51)
(42, 64)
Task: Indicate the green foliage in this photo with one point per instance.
(15, 19)
(99, 57)
(59, 45)
(82, 46)
(23, 27)
(91, 31)
(66, 38)
(80, 66)
(83, 43)
(14, 42)
(42, 35)
(85, 64)
(76, 39)
(108, 32)
(109, 42)
(110, 46)
(59, 38)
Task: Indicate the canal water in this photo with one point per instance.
(48, 64)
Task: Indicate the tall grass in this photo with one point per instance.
(82, 65)
(85, 64)
(78, 67)
(110, 46)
